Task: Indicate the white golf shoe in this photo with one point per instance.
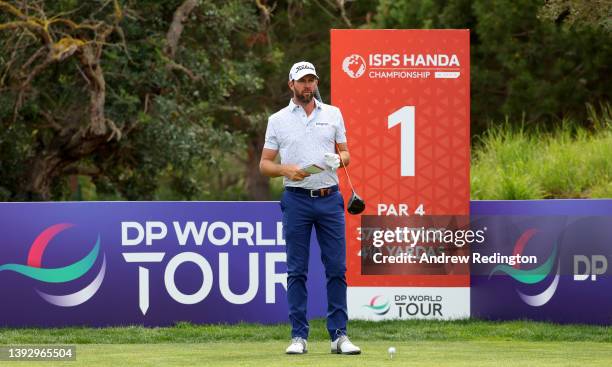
(297, 346)
(343, 345)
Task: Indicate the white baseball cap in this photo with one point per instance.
(299, 69)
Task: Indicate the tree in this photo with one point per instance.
(596, 13)
(118, 91)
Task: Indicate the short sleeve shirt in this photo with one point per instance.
(304, 140)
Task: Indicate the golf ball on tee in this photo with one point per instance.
(391, 350)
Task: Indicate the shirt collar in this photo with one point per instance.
(293, 105)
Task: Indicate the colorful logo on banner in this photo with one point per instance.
(569, 256)
(354, 66)
(34, 270)
(533, 276)
(379, 305)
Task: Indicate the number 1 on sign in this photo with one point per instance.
(405, 118)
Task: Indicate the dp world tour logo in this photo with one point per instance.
(65, 274)
(533, 276)
(354, 66)
(380, 305)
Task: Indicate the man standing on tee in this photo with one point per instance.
(306, 134)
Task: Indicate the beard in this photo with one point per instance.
(304, 97)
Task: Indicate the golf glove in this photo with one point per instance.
(332, 160)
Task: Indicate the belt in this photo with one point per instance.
(315, 193)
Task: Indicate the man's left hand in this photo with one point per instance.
(332, 160)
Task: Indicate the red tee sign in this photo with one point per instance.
(405, 98)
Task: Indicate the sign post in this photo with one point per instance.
(405, 98)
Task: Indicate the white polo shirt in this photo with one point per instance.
(304, 140)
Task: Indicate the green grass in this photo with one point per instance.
(406, 330)
(418, 343)
(512, 164)
(409, 353)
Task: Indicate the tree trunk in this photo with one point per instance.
(40, 176)
(69, 146)
(258, 185)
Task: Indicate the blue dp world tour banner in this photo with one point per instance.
(148, 263)
(157, 263)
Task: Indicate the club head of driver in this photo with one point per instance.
(355, 204)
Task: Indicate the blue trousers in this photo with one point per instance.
(300, 213)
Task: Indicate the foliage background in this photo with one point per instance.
(150, 100)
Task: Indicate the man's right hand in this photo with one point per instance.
(294, 172)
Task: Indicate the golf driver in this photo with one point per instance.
(356, 204)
